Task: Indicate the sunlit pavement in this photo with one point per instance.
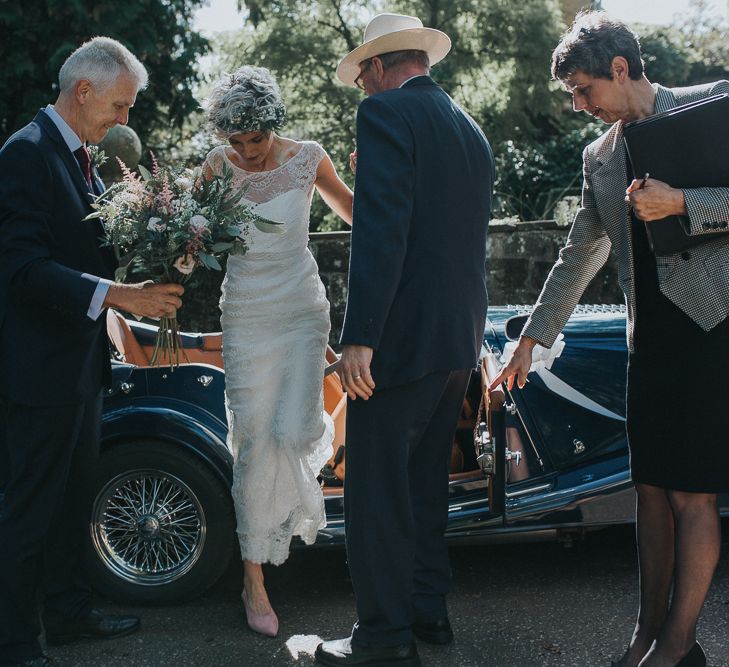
(511, 605)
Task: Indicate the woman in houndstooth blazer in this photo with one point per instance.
(676, 304)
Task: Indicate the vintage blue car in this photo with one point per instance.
(548, 461)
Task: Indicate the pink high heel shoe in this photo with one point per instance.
(265, 624)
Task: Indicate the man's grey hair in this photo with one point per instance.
(591, 44)
(414, 56)
(247, 100)
(101, 60)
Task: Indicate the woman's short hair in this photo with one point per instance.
(248, 100)
(101, 60)
(591, 44)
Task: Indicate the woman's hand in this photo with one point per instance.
(353, 161)
(655, 200)
(518, 366)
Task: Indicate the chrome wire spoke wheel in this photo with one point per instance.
(148, 527)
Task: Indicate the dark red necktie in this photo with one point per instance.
(84, 161)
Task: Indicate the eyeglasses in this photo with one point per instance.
(358, 81)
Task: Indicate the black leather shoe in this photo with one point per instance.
(342, 652)
(437, 632)
(94, 626)
(694, 658)
(40, 661)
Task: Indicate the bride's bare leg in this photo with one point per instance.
(255, 588)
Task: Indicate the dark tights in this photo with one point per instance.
(679, 537)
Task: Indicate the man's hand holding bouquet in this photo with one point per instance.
(167, 223)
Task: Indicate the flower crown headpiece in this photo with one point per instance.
(271, 117)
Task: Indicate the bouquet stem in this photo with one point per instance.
(168, 345)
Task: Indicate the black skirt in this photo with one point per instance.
(678, 389)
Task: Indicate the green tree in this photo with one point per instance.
(707, 40)
(694, 50)
(36, 41)
(497, 69)
(666, 55)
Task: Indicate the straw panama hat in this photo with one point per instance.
(393, 32)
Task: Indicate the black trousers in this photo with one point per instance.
(396, 504)
(52, 454)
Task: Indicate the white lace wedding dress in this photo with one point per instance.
(275, 319)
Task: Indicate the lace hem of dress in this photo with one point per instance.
(274, 546)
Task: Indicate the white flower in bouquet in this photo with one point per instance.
(156, 225)
(199, 223)
(185, 264)
(183, 182)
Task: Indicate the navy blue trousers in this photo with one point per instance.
(396, 504)
(50, 455)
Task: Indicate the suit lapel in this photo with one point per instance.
(74, 170)
(610, 180)
(98, 188)
(69, 160)
(610, 174)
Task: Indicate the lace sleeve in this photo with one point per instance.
(215, 160)
(311, 157)
(317, 153)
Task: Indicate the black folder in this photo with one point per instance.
(686, 147)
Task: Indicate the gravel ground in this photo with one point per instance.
(528, 605)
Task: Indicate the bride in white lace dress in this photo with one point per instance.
(275, 319)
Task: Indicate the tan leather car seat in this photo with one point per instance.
(124, 339)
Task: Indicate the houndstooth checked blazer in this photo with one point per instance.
(697, 281)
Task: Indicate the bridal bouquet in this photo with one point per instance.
(166, 224)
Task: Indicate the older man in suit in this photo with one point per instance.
(55, 283)
(412, 333)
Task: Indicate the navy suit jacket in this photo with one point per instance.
(422, 202)
(51, 352)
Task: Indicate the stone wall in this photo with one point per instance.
(519, 258)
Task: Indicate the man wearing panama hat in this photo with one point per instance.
(412, 331)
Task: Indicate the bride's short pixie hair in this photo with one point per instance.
(247, 100)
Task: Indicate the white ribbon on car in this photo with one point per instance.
(542, 360)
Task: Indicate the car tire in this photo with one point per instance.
(162, 527)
